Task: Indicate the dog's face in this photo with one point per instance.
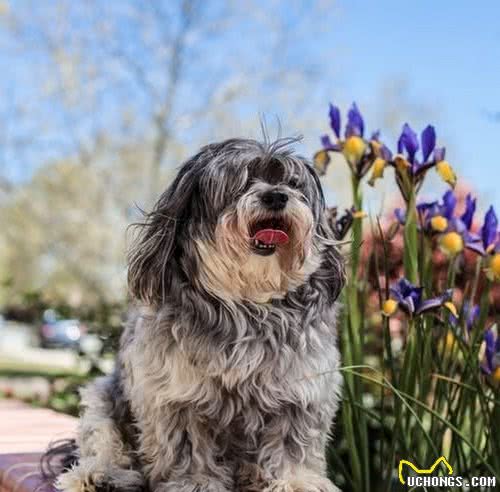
(242, 221)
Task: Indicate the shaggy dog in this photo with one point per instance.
(227, 375)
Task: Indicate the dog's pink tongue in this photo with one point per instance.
(272, 236)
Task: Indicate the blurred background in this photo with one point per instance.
(101, 101)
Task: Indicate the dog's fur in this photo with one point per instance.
(227, 375)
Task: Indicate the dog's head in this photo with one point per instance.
(242, 220)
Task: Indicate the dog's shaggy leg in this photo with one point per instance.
(104, 458)
(182, 454)
(192, 484)
(292, 451)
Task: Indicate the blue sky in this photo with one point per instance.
(447, 54)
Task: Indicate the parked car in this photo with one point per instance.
(62, 333)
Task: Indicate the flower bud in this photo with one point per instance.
(377, 170)
(446, 172)
(389, 307)
(321, 160)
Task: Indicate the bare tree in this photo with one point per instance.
(153, 70)
(124, 91)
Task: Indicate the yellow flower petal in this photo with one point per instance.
(321, 160)
(401, 162)
(450, 340)
(496, 375)
(439, 223)
(354, 149)
(446, 172)
(494, 267)
(452, 308)
(359, 214)
(377, 170)
(452, 243)
(389, 307)
(376, 146)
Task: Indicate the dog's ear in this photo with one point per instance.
(332, 271)
(152, 257)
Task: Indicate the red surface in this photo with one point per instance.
(24, 429)
(25, 433)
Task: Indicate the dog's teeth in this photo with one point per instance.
(260, 245)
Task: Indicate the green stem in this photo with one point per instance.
(411, 240)
(354, 421)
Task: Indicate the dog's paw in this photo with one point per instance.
(310, 483)
(198, 484)
(126, 480)
(86, 477)
(75, 481)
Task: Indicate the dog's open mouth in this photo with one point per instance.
(266, 235)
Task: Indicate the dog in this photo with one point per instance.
(227, 374)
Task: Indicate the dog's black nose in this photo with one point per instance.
(274, 200)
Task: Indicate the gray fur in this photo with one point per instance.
(227, 373)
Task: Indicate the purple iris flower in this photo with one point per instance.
(360, 153)
(408, 141)
(334, 114)
(400, 215)
(489, 231)
(471, 240)
(470, 208)
(447, 208)
(416, 156)
(488, 240)
(385, 153)
(470, 313)
(409, 298)
(428, 210)
(409, 144)
(355, 124)
(328, 144)
(459, 224)
(439, 154)
(492, 351)
(428, 139)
